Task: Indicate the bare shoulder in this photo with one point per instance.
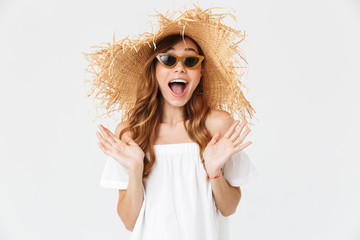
(218, 120)
(120, 127)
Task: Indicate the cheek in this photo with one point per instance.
(161, 72)
(197, 76)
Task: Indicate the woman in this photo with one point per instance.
(189, 179)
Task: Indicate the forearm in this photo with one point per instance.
(226, 196)
(131, 204)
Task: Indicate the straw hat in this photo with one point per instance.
(117, 67)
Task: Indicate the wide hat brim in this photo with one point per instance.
(117, 67)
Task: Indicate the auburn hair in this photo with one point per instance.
(144, 118)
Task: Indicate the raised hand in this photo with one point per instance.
(128, 153)
(218, 152)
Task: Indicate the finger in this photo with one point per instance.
(116, 139)
(106, 134)
(110, 133)
(231, 129)
(103, 147)
(101, 135)
(242, 137)
(129, 140)
(215, 138)
(242, 146)
(102, 139)
(238, 131)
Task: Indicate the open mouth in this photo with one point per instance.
(178, 88)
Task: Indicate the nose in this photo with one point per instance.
(179, 67)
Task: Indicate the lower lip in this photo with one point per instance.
(182, 94)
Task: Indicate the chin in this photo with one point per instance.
(177, 102)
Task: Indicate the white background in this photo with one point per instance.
(303, 82)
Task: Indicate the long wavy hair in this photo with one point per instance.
(144, 118)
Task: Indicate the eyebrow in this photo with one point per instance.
(186, 49)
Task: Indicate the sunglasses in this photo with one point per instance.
(170, 60)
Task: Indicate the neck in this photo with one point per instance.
(172, 114)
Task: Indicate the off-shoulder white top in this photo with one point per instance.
(178, 202)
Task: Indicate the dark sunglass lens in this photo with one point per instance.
(191, 61)
(168, 60)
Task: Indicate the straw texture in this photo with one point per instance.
(117, 67)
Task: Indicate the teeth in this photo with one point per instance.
(179, 80)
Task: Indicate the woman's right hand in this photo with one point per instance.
(128, 153)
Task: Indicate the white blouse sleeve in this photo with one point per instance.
(239, 170)
(114, 175)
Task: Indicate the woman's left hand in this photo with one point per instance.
(218, 152)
